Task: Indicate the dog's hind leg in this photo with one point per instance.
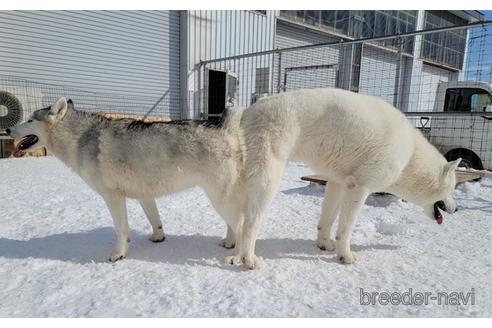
(229, 209)
(150, 209)
(260, 192)
(352, 201)
(117, 207)
(329, 213)
(232, 216)
(230, 240)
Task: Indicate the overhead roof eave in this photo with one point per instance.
(471, 16)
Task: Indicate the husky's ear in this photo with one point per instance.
(59, 109)
(451, 166)
(70, 104)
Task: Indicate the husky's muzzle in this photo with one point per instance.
(24, 144)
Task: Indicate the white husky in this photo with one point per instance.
(362, 145)
(130, 159)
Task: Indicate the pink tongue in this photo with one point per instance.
(438, 216)
(18, 152)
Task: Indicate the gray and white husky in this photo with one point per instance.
(125, 158)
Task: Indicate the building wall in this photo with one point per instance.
(131, 54)
(378, 73)
(378, 66)
(222, 33)
(153, 57)
(431, 77)
(288, 36)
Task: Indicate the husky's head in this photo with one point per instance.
(444, 200)
(33, 133)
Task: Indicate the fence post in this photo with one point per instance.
(279, 73)
(199, 106)
(396, 96)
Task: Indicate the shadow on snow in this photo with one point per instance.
(95, 245)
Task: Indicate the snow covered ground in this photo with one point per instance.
(55, 234)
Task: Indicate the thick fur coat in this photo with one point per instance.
(125, 158)
(360, 143)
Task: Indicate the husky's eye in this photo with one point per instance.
(29, 121)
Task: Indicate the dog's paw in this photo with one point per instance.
(326, 245)
(228, 244)
(348, 258)
(251, 262)
(157, 237)
(234, 260)
(116, 255)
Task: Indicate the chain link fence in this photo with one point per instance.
(441, 78)
(20, 97)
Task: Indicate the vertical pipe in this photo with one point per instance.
(200, 91)
(183, 63)
(396, 95)
(279, 73)
(271, 43)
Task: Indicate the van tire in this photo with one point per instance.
(468, 158)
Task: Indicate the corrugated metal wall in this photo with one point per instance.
(127, 53)
(289, 35)
(378, 73)
(431, 77)
(293, 36)
(221, 33)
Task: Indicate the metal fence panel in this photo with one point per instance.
(36, 95)
(441, 82)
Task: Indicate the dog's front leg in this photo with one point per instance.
(352, 201)
(117, 207)
(329, 213)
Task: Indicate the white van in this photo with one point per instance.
(461, 123)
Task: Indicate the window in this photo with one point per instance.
(262, 80)
(390, 22)
(446, 48)
(467, 100)
(342, 22)
(231, 92)
(481, 102)
(360, 23)
(328, 18)
(312, 17)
